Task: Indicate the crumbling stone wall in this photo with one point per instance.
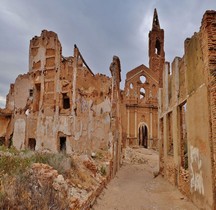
(208, 45)
(187, 103)
(62, 106)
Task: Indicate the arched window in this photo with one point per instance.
(157, 47)
(143, 79)
(142, 93)
(131, 85)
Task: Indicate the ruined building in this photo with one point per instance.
(140, 118)
(187, 117)
(60, 105)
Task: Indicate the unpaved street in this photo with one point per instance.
(135, 188)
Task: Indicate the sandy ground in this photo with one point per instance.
(135, 188)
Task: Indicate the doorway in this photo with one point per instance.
(31, 144)
(62, 144)
(143, 136)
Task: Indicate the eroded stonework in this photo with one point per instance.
(60, 105)
(187, 117)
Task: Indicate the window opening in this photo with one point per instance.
(142, 93)
(143, 79)
(31, 92)
(66, 102)
(157, 47)
(62, 144)
(131, 85)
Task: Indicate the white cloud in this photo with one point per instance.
(2, 101)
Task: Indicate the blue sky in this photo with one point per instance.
(100, 28)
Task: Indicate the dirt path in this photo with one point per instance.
(135, 188)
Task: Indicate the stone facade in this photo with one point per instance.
(187, 117)
(60, 105)
(140, 104)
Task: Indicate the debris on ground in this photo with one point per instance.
(51, 181)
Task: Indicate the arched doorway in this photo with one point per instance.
(143, 136)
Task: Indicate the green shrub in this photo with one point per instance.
(18, 163)
(13, 165)
(11, 150)
(18, 186)
(103, 170)
(57, 161)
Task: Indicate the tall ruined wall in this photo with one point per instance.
(208, 45)
(186, 120)
(116, 116)
(90, 110)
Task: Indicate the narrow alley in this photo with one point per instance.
(137, 186)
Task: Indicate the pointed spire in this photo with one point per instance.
(155, 23)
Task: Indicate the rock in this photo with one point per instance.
(155, 173)
(60, 184)
(91, 166)
(93, 154)
(44, 173)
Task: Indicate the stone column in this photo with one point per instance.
(128, 123)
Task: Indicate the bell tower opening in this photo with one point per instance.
(157, 47)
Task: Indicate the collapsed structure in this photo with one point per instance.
(60, 105)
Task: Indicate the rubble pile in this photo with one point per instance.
(140, 155)
(136, 156)
(42, 185)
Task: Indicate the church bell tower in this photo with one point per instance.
(156, 48)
